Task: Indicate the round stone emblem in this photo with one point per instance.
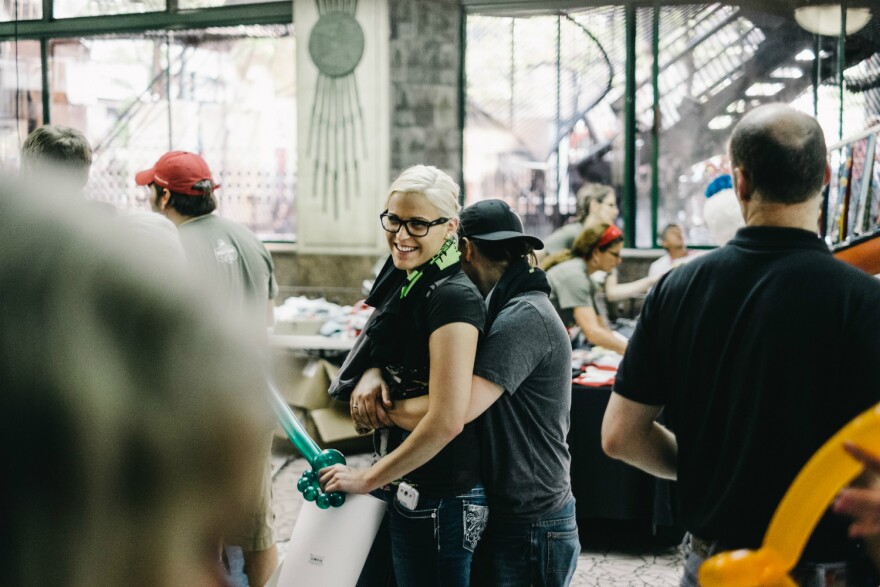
(336, 44)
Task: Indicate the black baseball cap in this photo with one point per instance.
(493, 220)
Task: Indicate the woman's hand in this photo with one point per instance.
(344, 478)
(370, 401)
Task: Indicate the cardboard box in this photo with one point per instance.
(303, 416)
(308, 388)
(336, 430)
(330, 427)
(303, 383)
(287, 371)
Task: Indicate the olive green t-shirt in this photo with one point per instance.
(571, 288)
(233, 264)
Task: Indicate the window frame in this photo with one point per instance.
(171, 19)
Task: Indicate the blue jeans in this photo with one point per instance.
(434, 543)
(541, 553)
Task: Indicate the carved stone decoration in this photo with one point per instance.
(343, 124)
(336, 125)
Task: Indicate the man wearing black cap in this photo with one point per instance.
(522, 388)
(235, 266)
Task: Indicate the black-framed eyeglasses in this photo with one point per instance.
(414, 226)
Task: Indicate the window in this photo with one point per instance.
(21, 107)
(546, 100)
(225, 92)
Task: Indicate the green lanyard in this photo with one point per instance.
(448, 256)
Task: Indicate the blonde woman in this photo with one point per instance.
(423, 342)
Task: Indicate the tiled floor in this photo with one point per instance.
(599, 567)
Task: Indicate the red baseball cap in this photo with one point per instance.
(178, 171)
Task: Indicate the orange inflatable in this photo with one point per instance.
(864, 253)
(824, 475)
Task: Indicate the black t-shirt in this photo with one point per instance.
(761, 350)
(456, 468)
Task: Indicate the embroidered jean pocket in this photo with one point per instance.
(474, 518)
(562, 555)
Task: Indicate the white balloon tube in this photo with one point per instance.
(329, 547)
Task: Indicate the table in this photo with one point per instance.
(606, 488)
(309, 342)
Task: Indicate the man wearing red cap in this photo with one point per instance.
(232, 262)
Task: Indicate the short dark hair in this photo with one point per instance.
(57, 145)
(781, 153)
(507, 251)
(667, 228)
(192, 205)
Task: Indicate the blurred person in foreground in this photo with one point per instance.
(127, 446)
(761, 350)
(522, 391)
(232, 265)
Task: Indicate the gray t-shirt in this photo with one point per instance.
(233, 264)
(571, 288)
(525, 458)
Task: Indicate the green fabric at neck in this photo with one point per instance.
(448, 256)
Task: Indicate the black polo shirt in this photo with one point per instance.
(761, 350)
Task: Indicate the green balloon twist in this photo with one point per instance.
(308, 484)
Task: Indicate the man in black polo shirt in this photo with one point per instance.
(761, 350)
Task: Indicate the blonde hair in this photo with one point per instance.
(436, 185)
(589, 193)
(583, 246)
